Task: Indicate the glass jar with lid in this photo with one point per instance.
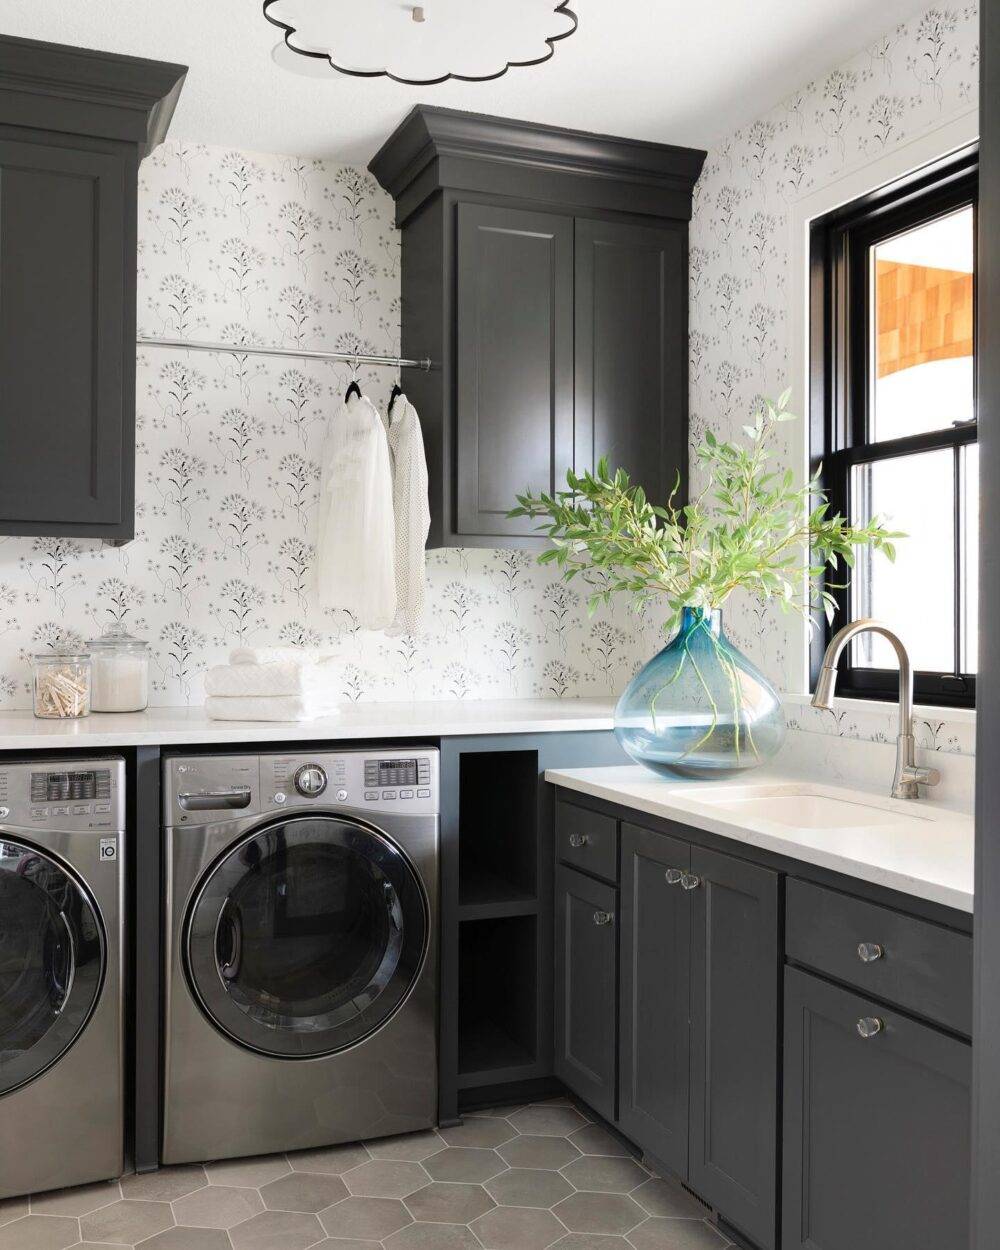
(61, 684)
(121, 671)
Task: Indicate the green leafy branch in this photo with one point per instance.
(749, 529)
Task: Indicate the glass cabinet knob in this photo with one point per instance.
(868, 1026)
(868, 952)
(690, 882)
(603, 917)
(578, 839)
(674, 876)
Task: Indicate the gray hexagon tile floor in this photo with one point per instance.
(513, 1178)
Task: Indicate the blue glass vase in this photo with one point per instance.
(700, 708)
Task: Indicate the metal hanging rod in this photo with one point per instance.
(297, 353)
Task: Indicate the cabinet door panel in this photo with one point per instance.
(515, 362)
(735, 971)
(631, 350)
(876, 1130)
(586, 988)
(62, 289)
(655, 950)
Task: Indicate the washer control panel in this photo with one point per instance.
(72, 795)
(202, 790)
(391, 780)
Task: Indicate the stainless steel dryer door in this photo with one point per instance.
(52, 958)
(306, 936)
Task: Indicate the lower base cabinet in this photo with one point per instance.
(586, 978)
(670, 964)
(655, 996)
(876, 1125)
(735, 984)
(690, 971)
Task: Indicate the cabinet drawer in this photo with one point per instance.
(587, 840)
(919, 966)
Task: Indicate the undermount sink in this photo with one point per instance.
(801, 806)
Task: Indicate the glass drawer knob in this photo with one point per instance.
(690, 882)
(868, 952)
(578, 839)
(603, 917)
(868, 1026)
(674, 876)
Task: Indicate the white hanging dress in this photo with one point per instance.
(413, 516)
(356, 543)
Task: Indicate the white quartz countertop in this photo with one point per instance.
(919, 848)
(169, 726)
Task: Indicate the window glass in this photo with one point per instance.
(922, 328)
(969, 522)
(915, 596)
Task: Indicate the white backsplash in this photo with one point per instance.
(244, 247)
(865, 765)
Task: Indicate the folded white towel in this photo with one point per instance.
(285, 677)
(280, 655)
(275, 707)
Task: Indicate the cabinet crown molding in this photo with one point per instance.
(437, 148)
(83, 91)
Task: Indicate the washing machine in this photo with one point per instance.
(62, 884)
(301, 950)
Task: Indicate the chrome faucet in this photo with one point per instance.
(908, 776)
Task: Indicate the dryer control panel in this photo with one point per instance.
(200, 790)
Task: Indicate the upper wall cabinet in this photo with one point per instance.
(544, 271)
(74, 125)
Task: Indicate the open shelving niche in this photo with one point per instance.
(498, 916)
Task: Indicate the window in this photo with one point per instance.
(893, 423)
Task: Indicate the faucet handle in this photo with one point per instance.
(922, 776)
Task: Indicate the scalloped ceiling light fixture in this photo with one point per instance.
(417, 44)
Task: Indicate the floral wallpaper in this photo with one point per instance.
(917, 76)
(250, 248)
(253, 248)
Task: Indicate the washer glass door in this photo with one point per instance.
(51, 962)
(306, 936)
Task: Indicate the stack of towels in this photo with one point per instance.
(273, 683)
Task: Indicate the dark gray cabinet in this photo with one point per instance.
(631, 355)
(73, 127)
(876, 1128)
(696, 991)
(544, 271)
(743, 1068)
(586, 1016)
(655, 980)
(735, 981)
(514, 326)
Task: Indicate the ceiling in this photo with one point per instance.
(681, 73)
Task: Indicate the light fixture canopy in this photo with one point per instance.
(418, 44)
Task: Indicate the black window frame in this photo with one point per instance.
(839, 390)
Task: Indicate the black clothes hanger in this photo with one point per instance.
(396, 390)
(353, 389)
